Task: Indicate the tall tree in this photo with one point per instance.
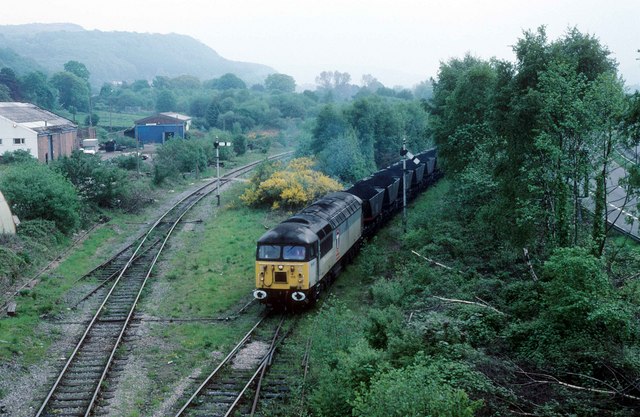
(280, 83)
(9, 79)
(78, 69)
(73, 91)
(38, 91)
(166, 101)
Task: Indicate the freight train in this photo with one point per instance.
(300, 257)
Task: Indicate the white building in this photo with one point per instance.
(24, 126)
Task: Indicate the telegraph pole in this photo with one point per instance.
(217, 145)
(405, 155)
(404, 184)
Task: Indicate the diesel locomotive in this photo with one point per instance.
(300, 257)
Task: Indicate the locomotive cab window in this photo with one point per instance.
(268, 252)
(294, 253)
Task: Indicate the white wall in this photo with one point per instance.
(10, 130)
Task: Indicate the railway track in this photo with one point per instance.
(239, 382)
(77, 388)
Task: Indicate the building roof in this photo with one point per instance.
(159, 119)
(33, 117)
(178, 116)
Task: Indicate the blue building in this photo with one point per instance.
(161, 127)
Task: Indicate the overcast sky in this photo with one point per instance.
(400, 42)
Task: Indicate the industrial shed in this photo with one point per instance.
(161, 127)
(25, 126)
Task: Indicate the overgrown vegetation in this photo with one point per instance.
(289, 186)
(492, 329)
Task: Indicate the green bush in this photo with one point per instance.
(17, 157)
(97, 182)
(582, 318)
(423, 389)
(179, 156)
(36, 192)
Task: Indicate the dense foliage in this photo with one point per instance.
(533, 306)
(352, 140)
(34, 191)
(292, 186)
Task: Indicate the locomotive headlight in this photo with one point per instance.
(293, 268)
(280, 267)
(300, 277)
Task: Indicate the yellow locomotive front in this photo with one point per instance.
(298, 257)
(286, 265)
(283, 270)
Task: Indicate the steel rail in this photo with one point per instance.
(220, 365)
(100, 309)
(128, 319)
(263, 369)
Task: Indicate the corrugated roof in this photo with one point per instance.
(33, 117)
(160, 119)
(176, 115)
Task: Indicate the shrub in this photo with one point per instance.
(295, 186)
(36, 192)
(17, 157)
(418, 390)
(96, 181)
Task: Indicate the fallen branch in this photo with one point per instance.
(483, 304)
(432, 262)
(553, 380)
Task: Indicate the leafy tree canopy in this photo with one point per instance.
(280, 83)
(293, 186)
(36, 192)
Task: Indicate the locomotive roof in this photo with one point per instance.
(315, 221)
(290, 234)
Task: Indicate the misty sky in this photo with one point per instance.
(399, 42)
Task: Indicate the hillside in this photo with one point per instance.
(117, 56)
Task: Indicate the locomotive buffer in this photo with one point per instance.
(405, 155)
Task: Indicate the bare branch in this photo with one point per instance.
(528, 261)
(454, 300)
(550, 379)
(432, 262)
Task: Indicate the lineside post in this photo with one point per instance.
(217, 144)
(405, 155)
(404, 184)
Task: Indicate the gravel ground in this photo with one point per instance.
(24, 387)
(250, 355)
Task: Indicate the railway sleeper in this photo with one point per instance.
(79, 390)
(85, 373)
(214, 392)
(78, 382)
(87, 368)
(74, 396)
(67, 404)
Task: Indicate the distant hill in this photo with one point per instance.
(116, 56)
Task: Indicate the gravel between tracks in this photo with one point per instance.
(22, 388)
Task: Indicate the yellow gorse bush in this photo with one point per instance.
(294, 186)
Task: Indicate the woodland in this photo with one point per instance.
(506, 297)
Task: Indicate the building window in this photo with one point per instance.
(0, 141)
(18, 141)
